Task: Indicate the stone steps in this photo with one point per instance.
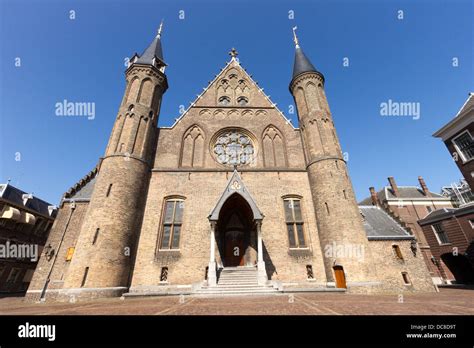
(236, 281)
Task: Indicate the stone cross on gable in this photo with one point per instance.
(233, 52)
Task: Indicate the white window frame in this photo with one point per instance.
(453, 141)
(436, 234)
(471, 222)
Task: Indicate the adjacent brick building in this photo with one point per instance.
(25, 223)
(408, 204)
(450, 235)
(458, 135)
(230, 198)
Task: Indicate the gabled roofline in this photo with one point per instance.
(216, 78)
(446, 130)
(386, 188)
(407, 234)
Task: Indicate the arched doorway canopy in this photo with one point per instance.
(235, 186)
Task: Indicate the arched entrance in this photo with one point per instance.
(236, 233)
(232, 221)
(460, 267)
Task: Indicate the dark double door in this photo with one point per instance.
(234, 248)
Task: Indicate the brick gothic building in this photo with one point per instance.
(231, 198)
(450, 234)
(408, 204)
(458, 136)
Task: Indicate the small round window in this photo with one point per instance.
(224, 101)
(242, 101)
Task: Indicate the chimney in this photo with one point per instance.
(393, 184)
(424, 187)
(373, 196)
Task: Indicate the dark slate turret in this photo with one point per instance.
(302, 64)
(153, 55)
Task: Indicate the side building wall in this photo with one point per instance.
(63, 236)
(390, 267)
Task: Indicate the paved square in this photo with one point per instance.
(448, 301)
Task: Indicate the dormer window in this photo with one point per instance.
(224, 100)
(242, 101)
(26, 197)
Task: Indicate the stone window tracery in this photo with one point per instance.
(224, 101)
(233, 147)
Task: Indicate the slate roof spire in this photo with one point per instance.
(153, 55)
(302, 63)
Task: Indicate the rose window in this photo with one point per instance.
(234, 148)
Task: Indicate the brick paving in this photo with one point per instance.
(448, 301)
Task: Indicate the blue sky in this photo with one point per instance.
(408, 60)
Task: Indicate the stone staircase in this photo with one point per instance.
(236, 281)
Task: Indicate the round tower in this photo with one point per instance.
(341, 232)
(105, 248)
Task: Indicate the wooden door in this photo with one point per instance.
(340, 277)
(234, 249)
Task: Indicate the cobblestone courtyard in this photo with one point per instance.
(447, 301)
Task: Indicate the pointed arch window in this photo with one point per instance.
(294, 223)
(273, 147)
(192, 148)
(172, 221)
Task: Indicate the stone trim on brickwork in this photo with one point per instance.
(319, 159)
(235, 186)
(223, 170)
(193, 104)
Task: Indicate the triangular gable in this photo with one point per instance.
(232, 64)
(235, 186)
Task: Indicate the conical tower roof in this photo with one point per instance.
(153, 51)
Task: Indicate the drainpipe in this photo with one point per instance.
(48, 279)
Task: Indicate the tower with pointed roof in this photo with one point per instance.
(111, 226)
(336, 210)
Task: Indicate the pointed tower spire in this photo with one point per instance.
(302, 63)
(160, 29)
(153, 55)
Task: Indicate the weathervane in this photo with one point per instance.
(295, 38)
(160, 29)
(233, 52)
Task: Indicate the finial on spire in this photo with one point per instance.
(160, 29)
(295, 38)
(233, 52)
